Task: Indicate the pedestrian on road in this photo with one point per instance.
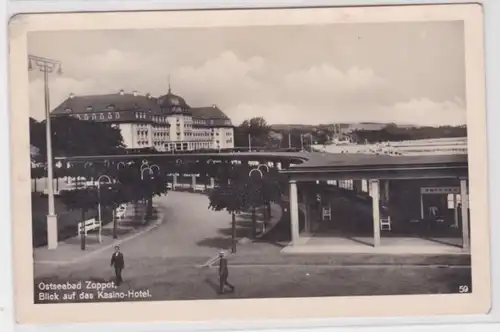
(118, 263)
(223, 273)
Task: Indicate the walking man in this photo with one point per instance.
(118, 263)
(223, 273)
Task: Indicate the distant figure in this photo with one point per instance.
(118, 263)
(223, 274)
(433, 211)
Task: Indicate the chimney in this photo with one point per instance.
(148, 95)
(71, 95)
(122, 92)
(135, 93)
(214, 106)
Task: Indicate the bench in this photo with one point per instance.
(199, 187)
(121, 210)
(90, 225)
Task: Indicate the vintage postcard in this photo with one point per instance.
(249, 164)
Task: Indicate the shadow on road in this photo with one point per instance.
(212, 284)
(215, 242)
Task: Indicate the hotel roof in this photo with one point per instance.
(134, 102)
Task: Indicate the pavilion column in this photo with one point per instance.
(455, 211)
(212, 183)
(358, 186)
(307, 214)
(375, 194)
(386, 191)
(174, 182)
(464, 200)
(294, 212)
(193, 181)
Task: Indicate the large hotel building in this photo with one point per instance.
(166, 123)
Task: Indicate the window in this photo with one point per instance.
(450, 201)
(67, 110)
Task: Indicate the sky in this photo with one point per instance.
(408, 73)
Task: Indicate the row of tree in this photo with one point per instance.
(395, 133)
(127, 185)
(247, 191)
(73, 137)
(257, 132)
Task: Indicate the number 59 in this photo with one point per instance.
(463, 289)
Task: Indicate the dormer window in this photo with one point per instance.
(111, 107)
(89, 108)
(67, 110)
(136, 106)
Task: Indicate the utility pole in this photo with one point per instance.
(47, 66)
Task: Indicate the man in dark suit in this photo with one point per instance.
(119, 263)
(223, 274)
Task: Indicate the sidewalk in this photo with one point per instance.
(130, 226)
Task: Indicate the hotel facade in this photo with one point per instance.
(166, 123)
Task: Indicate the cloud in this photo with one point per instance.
(225, 80)
(327, 78)
(427, 112)
(423, 112)
(248, 87)
(59, 89)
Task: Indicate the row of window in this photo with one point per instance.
(99, 116)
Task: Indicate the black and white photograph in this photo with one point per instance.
(250, 162)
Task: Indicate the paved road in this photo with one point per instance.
(189, 229)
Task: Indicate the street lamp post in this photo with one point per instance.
(99, 209)
(48, 66)
(249, 137)
(254, 217)
(150, 169)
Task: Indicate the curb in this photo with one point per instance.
(158, 222)
(355, 266)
